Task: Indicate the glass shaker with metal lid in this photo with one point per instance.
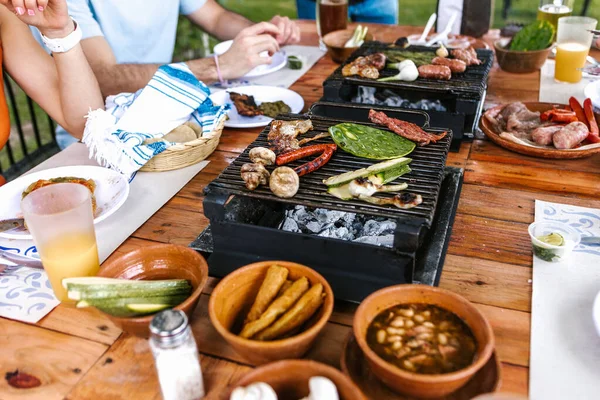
(176, 356)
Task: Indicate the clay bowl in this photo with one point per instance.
(519, 62)
(413, 384)
(289, 379)
(335, 42)
(162, 261)
(232, 298)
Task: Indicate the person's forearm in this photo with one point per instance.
(79, 90)
(228, 25)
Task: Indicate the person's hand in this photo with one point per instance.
(51, 17)
(598, 43)
(245, 51)
(290, 32)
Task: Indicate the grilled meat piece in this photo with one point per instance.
(282, 136)
(245, 105)
(88, 183)
(367, 67)
(435, 72)
(405, 129)
(456, 66)
(570, 136)
(543, 135)
(469, 56)
(514, 117)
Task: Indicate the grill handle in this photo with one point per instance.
(407, 236)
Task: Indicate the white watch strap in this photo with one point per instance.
(62, 45)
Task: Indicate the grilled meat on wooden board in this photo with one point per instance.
(405, 129)
(367, 67)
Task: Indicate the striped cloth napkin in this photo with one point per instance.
(115, 136)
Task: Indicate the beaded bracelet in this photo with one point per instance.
(218, 69)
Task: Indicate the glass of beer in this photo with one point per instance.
(61, 221)
(332, 15)
(552, 10)
(573, 41)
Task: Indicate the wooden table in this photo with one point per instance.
(79, 354)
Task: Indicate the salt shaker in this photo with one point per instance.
(176, 356)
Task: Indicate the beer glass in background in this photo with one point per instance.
(573, 41)
(552, 10)
(61, 221)
(332, 15)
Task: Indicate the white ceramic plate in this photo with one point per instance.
(111, 192)
(260, 93)
(592, 91)
(279, 60)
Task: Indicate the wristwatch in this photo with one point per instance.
(62, 45)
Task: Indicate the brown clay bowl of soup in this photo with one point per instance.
(422, 341)
(290, 379)
(335, 42)
(271, 310)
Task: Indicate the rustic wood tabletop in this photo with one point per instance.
(79, 354)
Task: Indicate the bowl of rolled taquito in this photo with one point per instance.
(271, 310)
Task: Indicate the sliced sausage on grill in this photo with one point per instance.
(435, 72)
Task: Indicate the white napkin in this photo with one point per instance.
(26, 294)
(173, 96)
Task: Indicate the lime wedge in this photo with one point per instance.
(553, 239)
(147, 308)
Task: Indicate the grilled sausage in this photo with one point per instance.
(570, 136)
(301, 153)
(543, 134)
(317, 162)
(435, 72)
(456, 66)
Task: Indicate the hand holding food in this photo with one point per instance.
(51, 17)
(245, 51)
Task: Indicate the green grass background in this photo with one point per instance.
(190, 41)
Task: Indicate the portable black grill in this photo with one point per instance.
(245, 228)
(463, 95)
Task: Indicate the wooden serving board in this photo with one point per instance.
(487, 128)
(355, 365)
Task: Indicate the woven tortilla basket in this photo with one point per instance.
(182, 155)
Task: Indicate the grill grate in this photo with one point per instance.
(425, 179)
(471, 83)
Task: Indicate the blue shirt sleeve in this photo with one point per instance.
(81, 11)
(187, 7)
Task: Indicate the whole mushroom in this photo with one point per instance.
(262, 155)
(284, 182)
(254, 174)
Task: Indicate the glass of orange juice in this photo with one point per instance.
(61, 221)
(573, 41)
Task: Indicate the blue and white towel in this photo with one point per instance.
(173, 96)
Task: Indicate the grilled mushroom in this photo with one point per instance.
(284, 182)
(262, 155)
(254, 175)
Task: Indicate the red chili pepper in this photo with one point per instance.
(578, 111)
(589, 114)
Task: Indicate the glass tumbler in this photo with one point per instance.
(573, 41)
(332, 15)
(61, 221)
(552, 10)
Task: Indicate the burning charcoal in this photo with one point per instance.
(386, 240)
(290, 225)
(314, 227)
(349, 218)
(366, 239)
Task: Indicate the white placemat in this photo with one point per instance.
(565, 348)
(149, 191)
(556, 92)
(285, 77)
